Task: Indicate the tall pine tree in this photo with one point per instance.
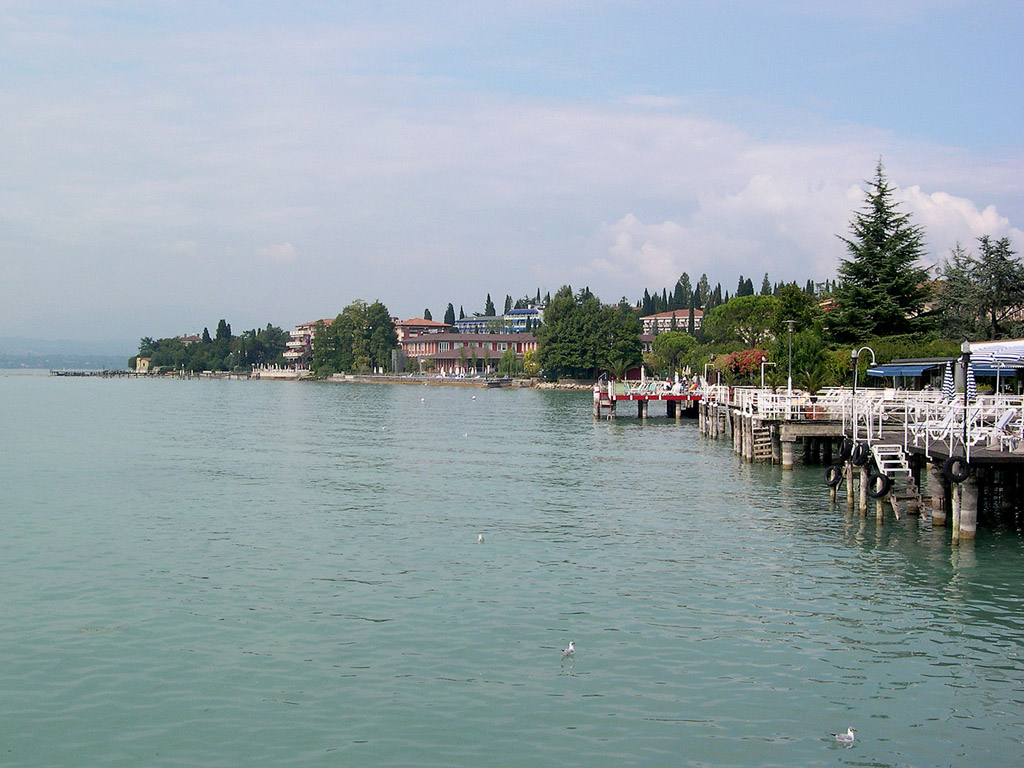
(883, 286)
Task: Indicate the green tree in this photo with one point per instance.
(380, 334)
(427, 315)
(580, 337)
(489, 307)
(703, 291)
(508, 304)
(670, 348)
(793, 304)
(883, 286)
(746, 319)
(1000, 279)
(766, 286)
(960, 298)
(449, 315)
(509, 364)
(359, 339)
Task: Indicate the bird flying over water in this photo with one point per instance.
(845, 738)
(569, 652)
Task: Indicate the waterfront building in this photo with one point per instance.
(417, 327)
(517, 320)
(453, 354)
(662, 321)
(479, 324)
(300, 343)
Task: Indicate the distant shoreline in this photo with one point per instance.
(339, 378)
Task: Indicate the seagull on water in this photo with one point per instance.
(569, 652)
(845, 738)
(479, 538)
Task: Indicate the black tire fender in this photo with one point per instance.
(860, 455)
(845, 450)
(956, 469)
(879, 485)
(834, 476)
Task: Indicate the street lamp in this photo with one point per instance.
(854, 356)
(965, 350)
(708, 365)
(790, 323)
(764, 362)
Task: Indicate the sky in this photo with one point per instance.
(170, 163)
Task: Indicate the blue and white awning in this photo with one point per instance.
(901, 369)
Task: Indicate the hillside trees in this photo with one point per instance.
(221, 353)
(359, 339)
(581, 337)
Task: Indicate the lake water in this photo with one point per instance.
(207, 573)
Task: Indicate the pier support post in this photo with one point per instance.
(776, 446)
(826, 451)
(641, 409)
(787, 454)
(849, 485)
(937, 489)
(670, 405)
(957, 494)
(968, 523)
(863, 491)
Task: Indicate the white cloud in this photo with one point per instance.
(948, 219)
(278, 253)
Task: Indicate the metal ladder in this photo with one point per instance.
(762, 443)
(892, 462)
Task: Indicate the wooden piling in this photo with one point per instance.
(937, 489)
(968, 523)
(863, 491)
(849, 485)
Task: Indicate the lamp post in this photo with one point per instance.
(706, 366)
(854, 357)
(965, 351)
(789, 387)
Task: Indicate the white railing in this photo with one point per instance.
(925, 419)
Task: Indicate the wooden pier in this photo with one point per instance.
(678, 398)
(915, 452)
